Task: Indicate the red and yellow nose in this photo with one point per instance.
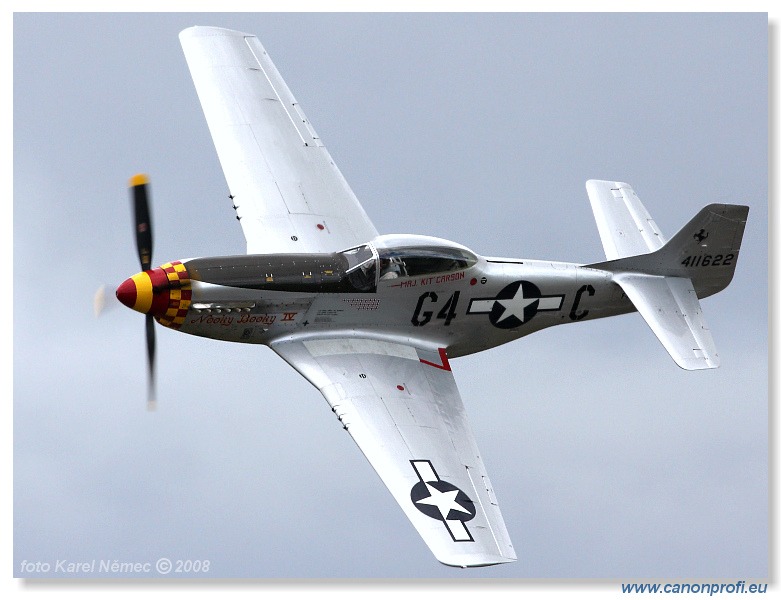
(164, 292)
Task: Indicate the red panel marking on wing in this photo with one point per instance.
(445, 366)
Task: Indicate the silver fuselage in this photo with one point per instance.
(458, 310)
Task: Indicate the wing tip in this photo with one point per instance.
(696, 363)
(595, 183)
(208, 30)
(475, 561)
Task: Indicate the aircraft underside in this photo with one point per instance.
(373, 320)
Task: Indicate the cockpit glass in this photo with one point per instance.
(418, 260)
(361, 269)
(357, 256)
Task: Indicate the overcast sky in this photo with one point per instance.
(608, 460)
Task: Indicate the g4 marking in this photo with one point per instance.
(448, 311)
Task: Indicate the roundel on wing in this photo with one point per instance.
(443, 501)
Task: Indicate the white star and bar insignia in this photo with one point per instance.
(515, 304)
(442, 500)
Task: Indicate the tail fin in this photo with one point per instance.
(665, 280)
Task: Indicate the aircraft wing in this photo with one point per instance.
(402, 407)
(288, 193)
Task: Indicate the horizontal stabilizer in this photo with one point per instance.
(670, 307)
(625, 226)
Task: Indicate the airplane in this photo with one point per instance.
(373, 321)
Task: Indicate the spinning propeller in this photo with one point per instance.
(137, 292)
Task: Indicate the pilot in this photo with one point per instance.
(388, 269)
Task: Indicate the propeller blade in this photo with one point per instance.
(150, 354)
(139, 185)
(139, 193)
(103, 301)
(99, 301)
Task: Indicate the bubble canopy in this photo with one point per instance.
(403, 241)
(414, 255)
(394, 256)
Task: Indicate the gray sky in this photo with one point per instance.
(607, 459)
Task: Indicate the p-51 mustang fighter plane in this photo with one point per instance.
(373, 321)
